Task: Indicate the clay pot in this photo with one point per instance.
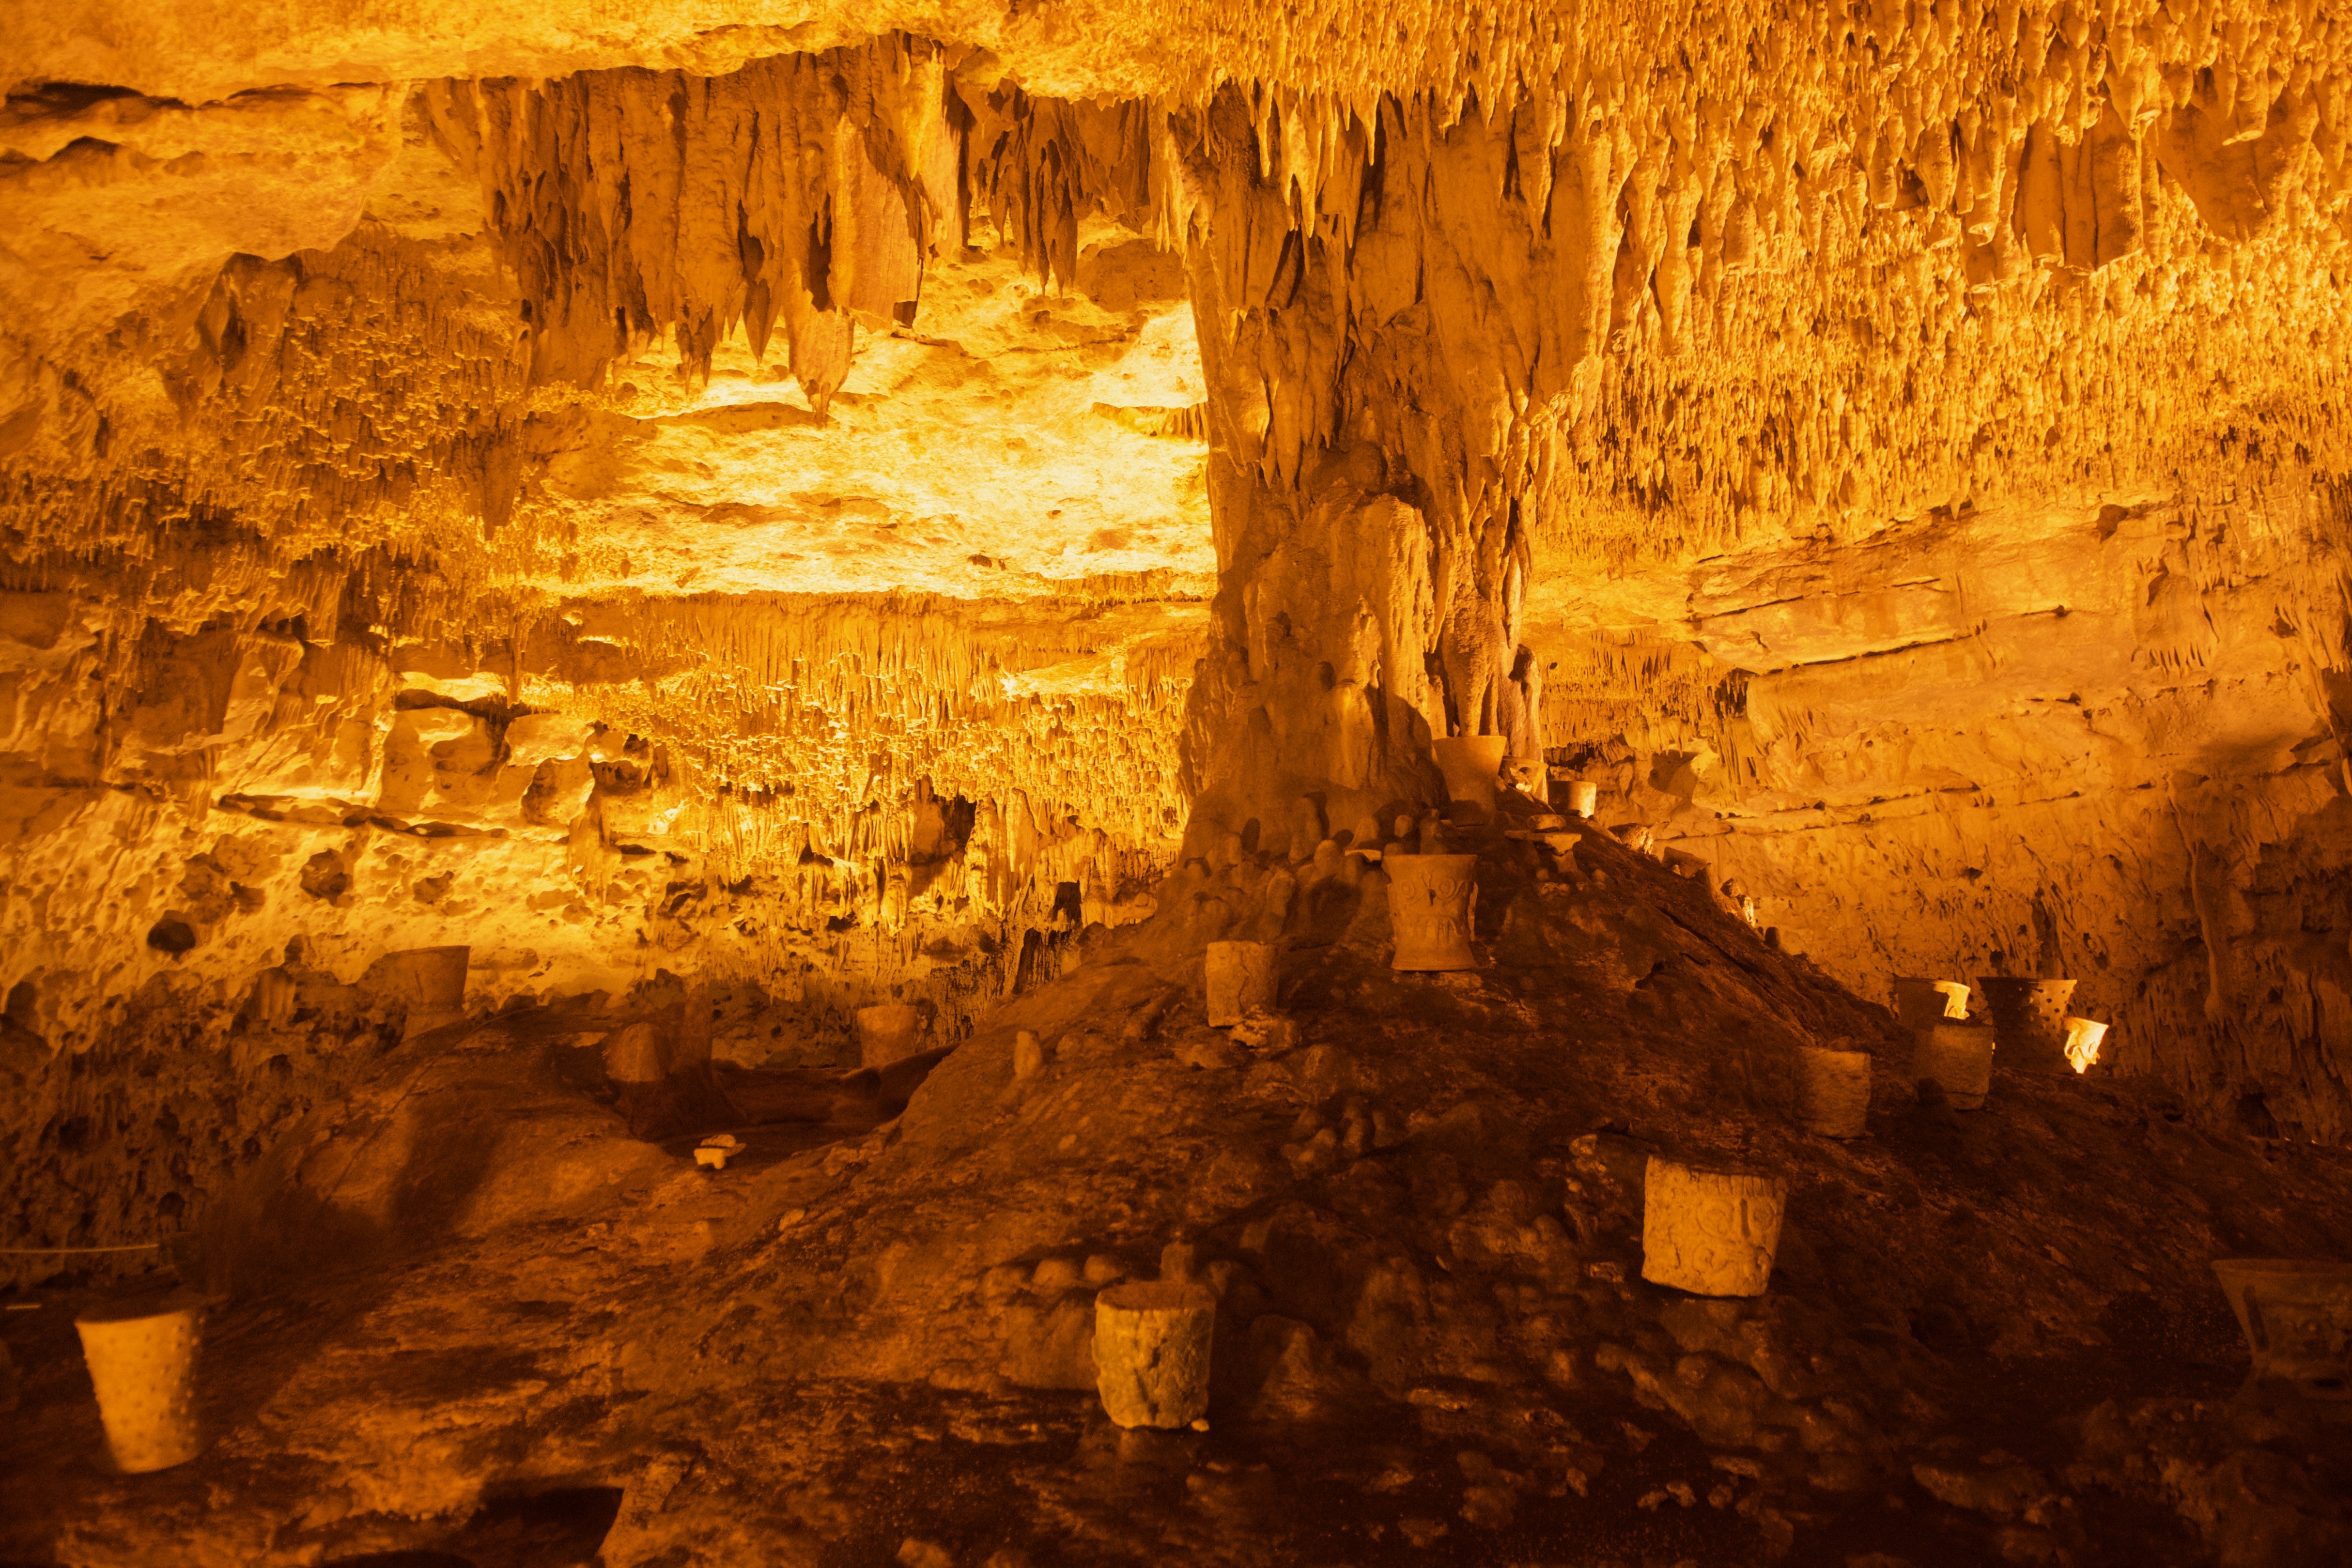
(429, 982)
(1832, 1091)
(1959, 1057)
(141, 1355)
(2083, 1038)
(1241, 980)
(1151, 1352)
(2296, 1315)
(888, 1033)
(636, 1053)
(1711, 1232)
(1472, 765)
(1583, 798)
(2029, 1017)
(1919, 1002)
(1429, 899)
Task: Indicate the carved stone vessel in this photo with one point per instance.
(141, 1355)
(1711, 1232)
(1959, 1057)
(1241, 980)
(1430, 899)
(1832, 1091)
(1151, 1352)
(1472, 765)
(1919, 1002)
(2296, 1315)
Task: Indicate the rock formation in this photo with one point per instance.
(735, 515)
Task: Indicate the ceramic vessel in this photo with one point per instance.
(2028, 1019)
(2296, 1315)
(636, 1053)
(2083, 1038)
(1832, 1091)
(1583, 798)
(888, 1033)
(1151, 1352)
(1919, 1001)
(1241, 980)
(1959, 1057)
(1711, 1232)
(142, 1356)
(1430, 901)
(1472, 765)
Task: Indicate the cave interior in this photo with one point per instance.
(1093, 782)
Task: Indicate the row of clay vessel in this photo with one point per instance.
(1472, 767)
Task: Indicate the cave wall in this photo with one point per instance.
(502, 454)
(1926, 509)
(356, 603)
(2104, 743)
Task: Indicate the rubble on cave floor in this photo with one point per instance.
(1990, 1337)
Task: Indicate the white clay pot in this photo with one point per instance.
(1712, 1233)
(142, 1356)
(2296, 1315)
(1151, 1352)
(1959, 1057)
(1472, 765)
(1583, 798)
(888, 1033)
(1832, 1091)
(1241, 981)
(1430, 902)
(2029, 1018)
(2083, 1038)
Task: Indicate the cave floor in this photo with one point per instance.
(1990, 1337)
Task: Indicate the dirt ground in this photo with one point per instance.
(1991, 1336)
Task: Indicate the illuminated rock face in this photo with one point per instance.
(832, 512)
(2099, 743)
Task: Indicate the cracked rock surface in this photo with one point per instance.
(1419, 1208)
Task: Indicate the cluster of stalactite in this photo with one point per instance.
(1815, 270)
(806, 191)
(809, 724)
(297, 395)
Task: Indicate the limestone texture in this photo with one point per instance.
(578, 580)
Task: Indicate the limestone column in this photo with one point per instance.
(1395, 321)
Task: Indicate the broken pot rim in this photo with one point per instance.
(1156, 1296)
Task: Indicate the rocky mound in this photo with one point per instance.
(1991, 1336)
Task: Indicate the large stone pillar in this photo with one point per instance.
(1391, 319)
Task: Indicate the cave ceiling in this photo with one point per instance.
(1126, 422)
